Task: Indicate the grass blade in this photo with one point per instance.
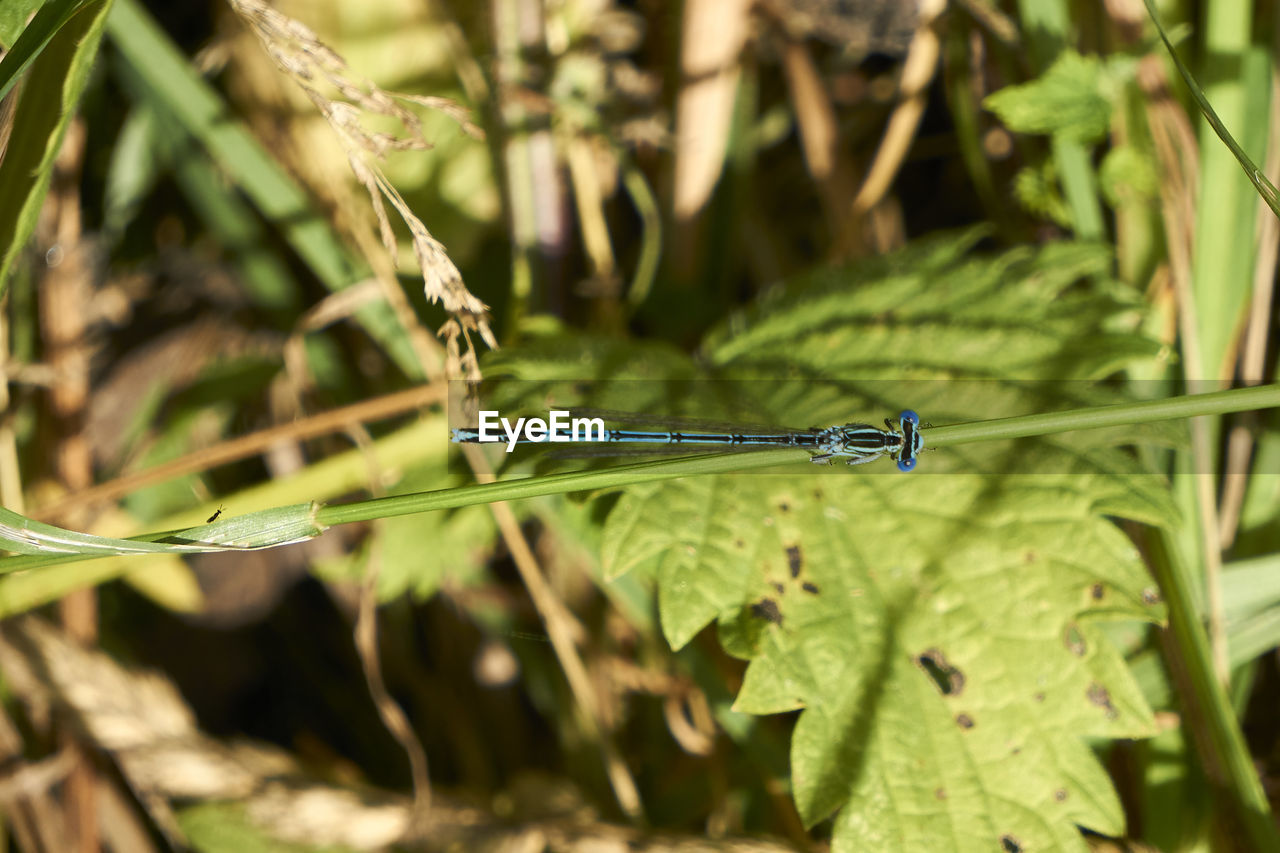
(35, 37)
(1264, 187)
(48, 101)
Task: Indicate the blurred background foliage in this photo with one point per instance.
(247, 247)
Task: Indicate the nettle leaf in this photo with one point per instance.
(935, 311)
(1068, 100)
(936, 630)
(939, 632)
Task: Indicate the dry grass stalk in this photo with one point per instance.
(298, 52)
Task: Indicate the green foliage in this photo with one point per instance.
(1127, 174)
(939, 632)
(25, 40)
(459, 547)
(1266, 190)
(157, 71)
(952, 643)
(69, 35)
(1067, 100)
(1037, 190)
(846, 597)
(1251, 605)
(13, 20)
(264, 529)
(457, 551)
(226, 828)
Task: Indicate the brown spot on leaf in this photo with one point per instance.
(1060, 795)
(811, 588)
(1151, 595)
(1101, 696)
(964, 721)
(1009, 844)
(795, 560)
(767, 609)
(947, 678)
(1097, 591)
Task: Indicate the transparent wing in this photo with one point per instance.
(677, 422)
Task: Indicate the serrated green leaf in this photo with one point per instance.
(927, 313)
(939, 632)
(1066, 100)
(852, 587)
(707, 568)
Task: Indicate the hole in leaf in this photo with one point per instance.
(795, 560)
(1074, 640)
(767, 609)
(948, 679)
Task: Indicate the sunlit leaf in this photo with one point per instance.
(938, 631)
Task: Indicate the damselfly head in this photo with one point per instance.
(912, 440)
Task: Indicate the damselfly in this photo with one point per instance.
(854, 443)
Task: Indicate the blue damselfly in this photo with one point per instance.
(856, 444)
